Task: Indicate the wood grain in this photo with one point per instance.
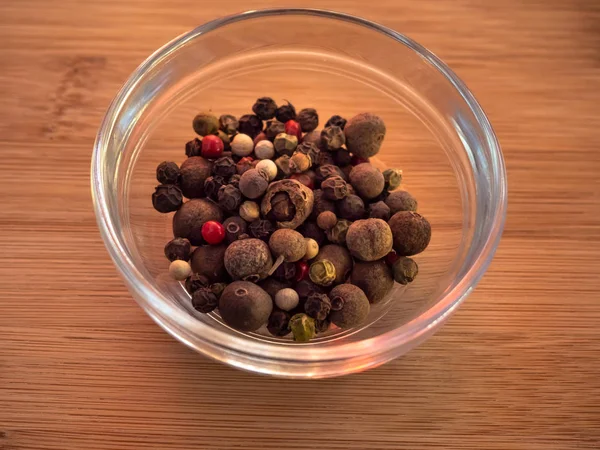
(81, 367)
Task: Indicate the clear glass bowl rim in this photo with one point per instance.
(167, 315)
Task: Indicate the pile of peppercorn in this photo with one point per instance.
(293, 228)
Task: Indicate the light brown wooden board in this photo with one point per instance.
(517, 367)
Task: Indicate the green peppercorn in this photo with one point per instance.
(188, 220)
(283, 166)
(411, 231)
(401, 201)
(356, 306)
(322, 272)
(300, 162)
(249, 211)
(167, 172)
(245, 306)
(364, 134)
(265, 108)
(248, 259)
(393, 178)
(350, 207)
(209, 260)
(338, 233)
(288, 243)
(308, 119)
(340, 258)
(405, 270)
(285, 144)
(178, 248)
(205, 124)
(374, 278)
(167, 198)
(228, 124)
(367, 180)
(226, 140)
(302, 327)
(194, 172)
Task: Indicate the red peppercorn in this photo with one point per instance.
(356, 160)
(304, 179)
(213, 232)
(212, 146)
(391, 258)
(301, 270)
(292, 127)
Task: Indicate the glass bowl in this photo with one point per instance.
(339, 64)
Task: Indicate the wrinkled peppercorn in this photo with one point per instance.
(317, 306)
(265, 108)
(334, 188)
(322, 272)
(283, 166)
(321, 326)
(285, 144)
(278, 324)
(305, 288)
(228, 123)
(261, 229)
(250, 124)
(212, 186)
(311, 230)
(321, 204)
(340, 257)
(204, 300)
(379, 210)
(274, 127)
(196, 281)
(337, 234)
(193, 147)
(167, 172)
(249, 211)
(332, 138)
(234, 226)
(167, 198)
(351, 207)
(308, 119)
(224, 167)
(300, 162)
(178, 248)
(285, 113)
(337, 121)
(218, 288)
(229, 198)
(327, 171)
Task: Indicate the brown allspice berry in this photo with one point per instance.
(224, 167)
(228, 124)
(253, 184)
(379, 210)
(229, 198)
(351, 207)
(285, 112)
(193, 147)
(250, 124)
(367, 180)
(245, 306)
(364, 134)
(194, 172)
(341, 259)
(329, 170)
(234, 227)
(332, 138)
(264, 108)
(273, 128)
(411, 231)
(209, 260)
(356, 306)
(326, 220)
(308, 119)
(337, 121)
(278, 324)
(334, 188)
(369, 239)
(300, 196)
(321, 204)
(204, 300)
(167, 198)
(178, 248)
(287, 243)
(401, 201)
(374, 278)
(300, 162)
(167, 172)
(405, 270)
(248, 259)
(188, 220)
(261, 229)
(311, 230)
(205, 124)
(338, 233)
(342, 157)
(317, 306)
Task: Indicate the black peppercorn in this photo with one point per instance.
(228, 123)
(195, 282)
(285, 113)
(393, 178)
(332, 138)
(338, 233)
(167, 198)
(305, 288)
(311, 230)
(235, 180)
(274, 127)
(278, 324)
(229, 198)
(334, 188)
(204, 300)
(224, 167)
(264, 108)
(285, 272)
(194, 172)
(317, 306)
(167, 172)
(342, 157)
(212, 186)
(329, 170)
(261, 229)
(234, 227)
(308, 119)
(351, 207)
(250, 124)
(178, 248)
(193, 147)
(337, 121)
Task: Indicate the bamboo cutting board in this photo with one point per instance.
(517, 367)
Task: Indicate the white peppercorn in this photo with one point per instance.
(264, 149)
(268, 167)
(242, 145)
(180, 269)
(287, 299)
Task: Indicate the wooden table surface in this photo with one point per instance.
(517, 367)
